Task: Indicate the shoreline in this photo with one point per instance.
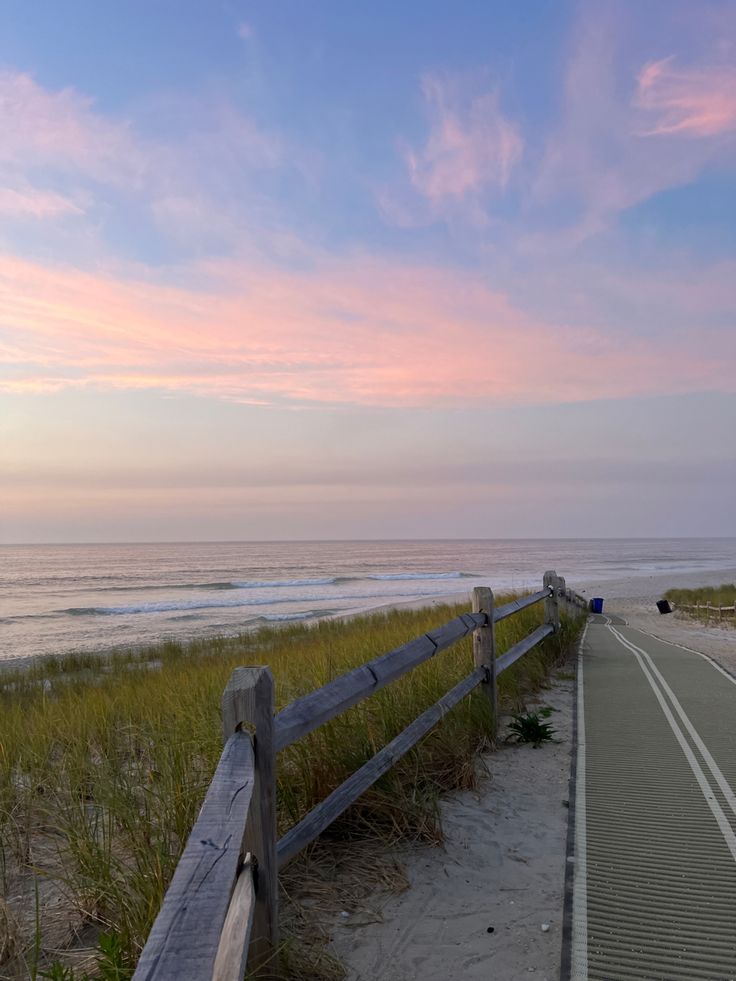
(638, 591)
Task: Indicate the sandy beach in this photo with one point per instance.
(502, 864)
(489, 901)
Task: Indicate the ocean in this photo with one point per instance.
(60, 598)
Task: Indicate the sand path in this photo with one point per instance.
(503, 862)
(501, 868)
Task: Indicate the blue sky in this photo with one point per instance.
(332, 270)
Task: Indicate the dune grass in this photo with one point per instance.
(104, 763)
(724, 595)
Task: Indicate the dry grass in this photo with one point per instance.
(104, 763)
(712, 595)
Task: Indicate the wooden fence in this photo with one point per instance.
(221, 908)
(707, 609)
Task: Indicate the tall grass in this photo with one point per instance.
(104, 763)
(724, 595)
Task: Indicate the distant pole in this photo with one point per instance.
(484, 647)
(551, 604)
(248, 702)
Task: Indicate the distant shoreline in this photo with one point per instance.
(638, 591)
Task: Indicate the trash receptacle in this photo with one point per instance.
(596, 604)
(664, 606)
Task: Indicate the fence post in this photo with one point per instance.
(248, 703)
(484, 647)
(551, 604)
(562, 595)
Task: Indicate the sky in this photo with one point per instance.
(288, 270)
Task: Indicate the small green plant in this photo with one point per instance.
(58, 972)
(111, 964)
(529, 728)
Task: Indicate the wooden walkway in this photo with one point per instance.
(654, 893)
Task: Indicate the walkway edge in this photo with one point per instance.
(574, 963)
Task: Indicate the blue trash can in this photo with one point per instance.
(597, 604)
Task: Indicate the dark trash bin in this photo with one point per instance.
(596, 604)
(664, 606)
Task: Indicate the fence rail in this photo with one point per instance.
(220, 912)
(708, 609)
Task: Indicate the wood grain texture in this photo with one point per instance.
(232, 953)
(340, 799)
(523, 647)
(562, 596)
(314, 709)
(484, 646)
(551, 605)
(248, 700)
(183, 943)
(508, 609)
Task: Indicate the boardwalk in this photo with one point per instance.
(654, 892)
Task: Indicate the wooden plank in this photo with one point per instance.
(484, 647)
(523, 647)
(183, 943)
(248, 700)
(508, 609)
(232, 953)
(307, 713)
(340, 799)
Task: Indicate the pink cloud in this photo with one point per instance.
(59, 142)
(690, 102)
(470, 145)
(355, 331)
(62, 131)
(35, 203)
(602, 160)
(471, 149)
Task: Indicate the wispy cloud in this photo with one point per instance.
(363, 331)
(62, 131)
(471, 144)
(57, 149)
(602, 159)
(694, 102)
(28, 201)
(469, 155)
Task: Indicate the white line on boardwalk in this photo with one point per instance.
(580, 879)
(691, 650)
(694, 734)
(706, 789)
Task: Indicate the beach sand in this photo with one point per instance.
(501, 867)
(503, 861)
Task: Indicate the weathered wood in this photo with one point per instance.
(484, 647)
(340, 799)
(183, 943)
(551, 605)
(523, 647)
(508, 609)
(562, 595)
(248, 701)
(232, 953)
(307, 713)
